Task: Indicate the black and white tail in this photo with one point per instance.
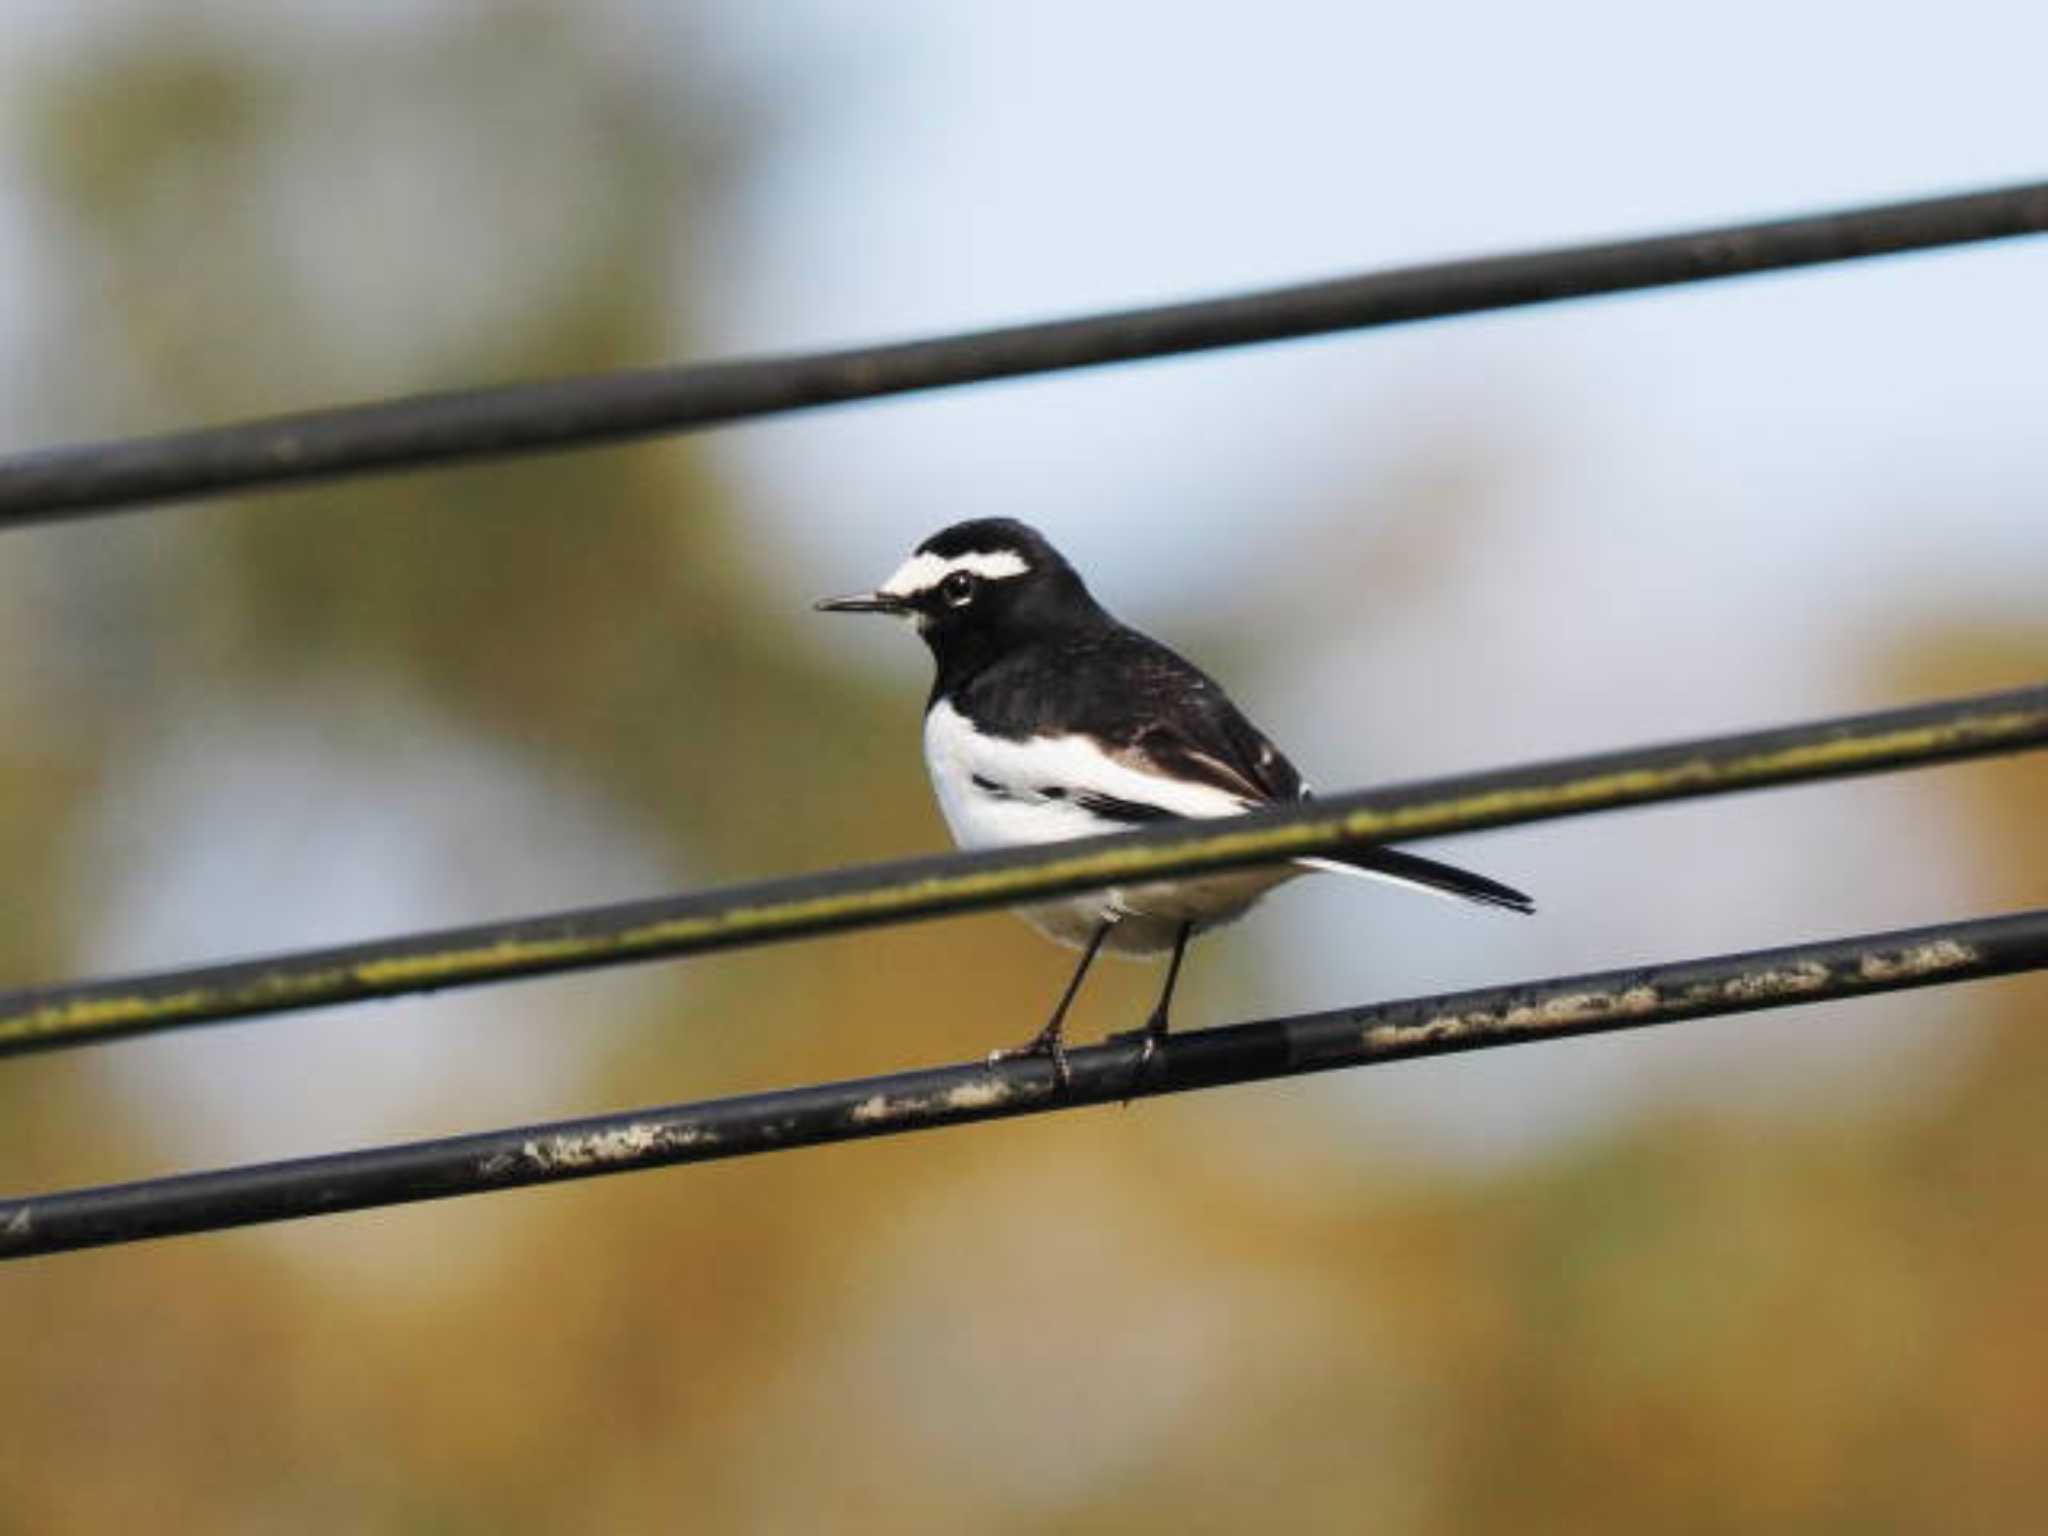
(1425, 874)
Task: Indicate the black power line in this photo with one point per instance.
(527, 418)
(884, 1106)
(91, 1012)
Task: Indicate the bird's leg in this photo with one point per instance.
(1156, 1026)
(1051, 1040)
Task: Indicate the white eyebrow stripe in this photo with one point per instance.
(920, 573)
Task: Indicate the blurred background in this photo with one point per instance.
(1783, 1271)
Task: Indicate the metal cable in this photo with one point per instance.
(885, 1106)
(95, 1011)
(562, 413)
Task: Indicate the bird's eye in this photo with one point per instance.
(958, 589)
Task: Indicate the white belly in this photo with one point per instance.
(1148, 917)
(1028, 805)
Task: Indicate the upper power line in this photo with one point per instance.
(562, 413)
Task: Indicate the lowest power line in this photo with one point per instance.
(1107, 1073)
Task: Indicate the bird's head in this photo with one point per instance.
(977, 587)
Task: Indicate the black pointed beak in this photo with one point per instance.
(861, 602)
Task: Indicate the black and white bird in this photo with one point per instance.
(1049, 720)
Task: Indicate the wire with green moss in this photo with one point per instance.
(837, 901)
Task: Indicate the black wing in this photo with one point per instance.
(1213, 742)
(1176, 720)
(1217, 745)
(1147, 706)
(1162, 714)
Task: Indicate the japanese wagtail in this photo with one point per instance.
(1049, 720)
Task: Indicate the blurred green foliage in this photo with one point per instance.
(1083, 1325)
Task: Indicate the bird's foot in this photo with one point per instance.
(1047, 1042)
(1149, 1040)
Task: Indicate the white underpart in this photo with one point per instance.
(1036, 780)
(1025, 770)
(921, 573)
